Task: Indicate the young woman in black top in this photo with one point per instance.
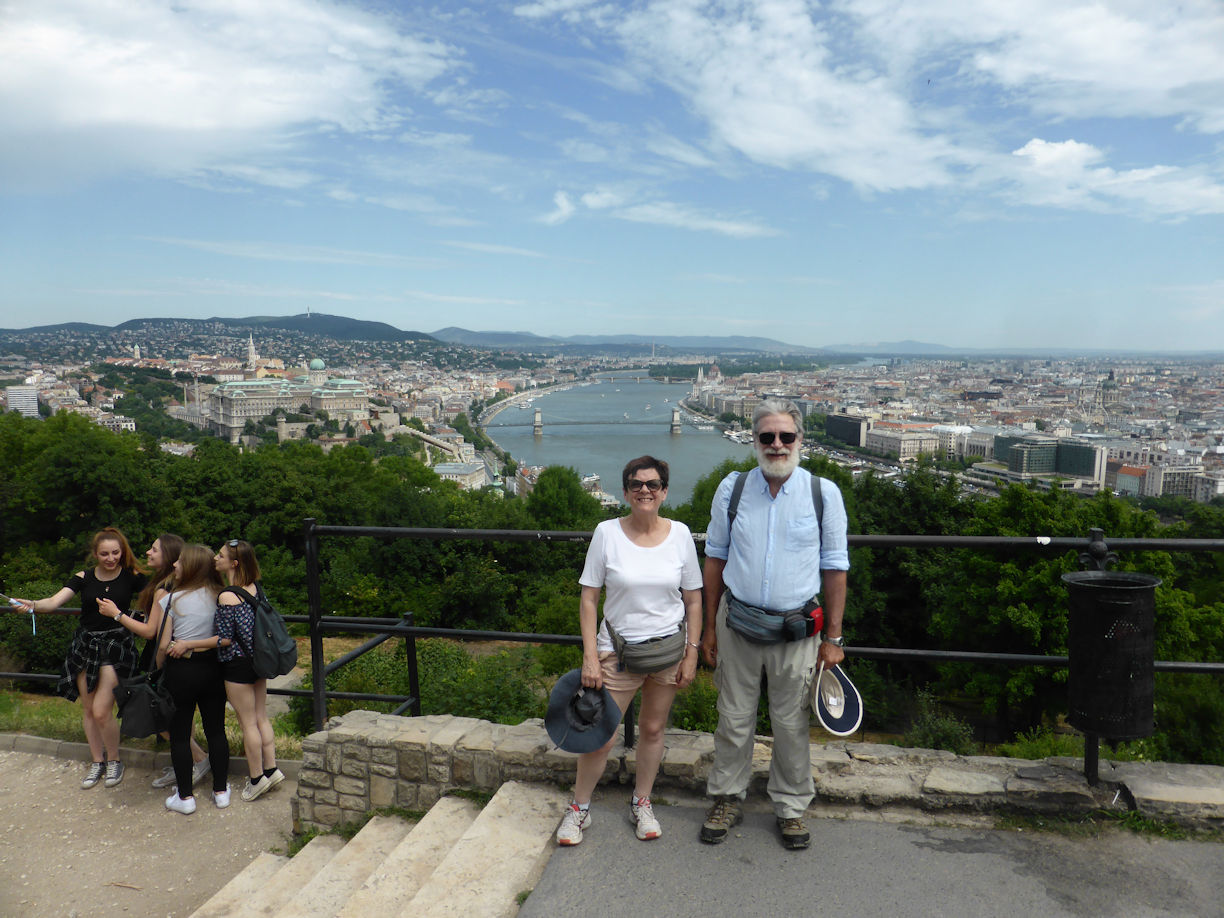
(102, 652)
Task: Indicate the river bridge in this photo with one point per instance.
(678, 418)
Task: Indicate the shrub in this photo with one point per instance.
(503, 687)
(934, 727)
(695, 706)
(1189, 719)
(41, 653)
(1041, 743)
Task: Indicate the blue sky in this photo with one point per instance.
(976, 173)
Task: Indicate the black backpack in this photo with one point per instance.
(275, 652)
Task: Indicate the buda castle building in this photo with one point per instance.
(232, 404)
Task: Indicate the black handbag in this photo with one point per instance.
(145, 704)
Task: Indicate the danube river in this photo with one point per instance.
(597, 428)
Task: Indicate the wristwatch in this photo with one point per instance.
(837, 641)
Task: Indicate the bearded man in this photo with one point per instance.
(767, 558)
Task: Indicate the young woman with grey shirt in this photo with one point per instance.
(193, 674)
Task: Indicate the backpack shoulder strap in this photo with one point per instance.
(737, 491)
(818, 504)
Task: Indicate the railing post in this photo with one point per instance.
(414, 683)
(315, 604)
(1098, 557)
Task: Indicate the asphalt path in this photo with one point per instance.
(856, 868)
(118, 851)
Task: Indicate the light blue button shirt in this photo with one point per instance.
(776, 556)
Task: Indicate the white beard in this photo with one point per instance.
(777, 469)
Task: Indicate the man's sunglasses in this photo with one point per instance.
(653, 485)
(767, 438)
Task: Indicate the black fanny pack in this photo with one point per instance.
(648, 656)
(762, 626)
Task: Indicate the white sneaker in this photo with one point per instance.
(166, 778)
(179, 805)
(94, 775)
(199, 770)
(114, 773)
(642, 815)
(572, 823)
(254, 790)
(275, 778)
(222, 798)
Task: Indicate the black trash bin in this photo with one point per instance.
(1111, 649)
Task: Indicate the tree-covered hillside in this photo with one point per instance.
(64, 478)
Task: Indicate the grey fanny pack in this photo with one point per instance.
(764, 627)
(648, 656)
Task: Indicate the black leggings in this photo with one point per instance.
(195, 681)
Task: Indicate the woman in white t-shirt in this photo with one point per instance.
(648, 566)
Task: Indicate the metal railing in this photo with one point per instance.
(1094, 553)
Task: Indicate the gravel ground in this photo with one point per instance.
(112, 851)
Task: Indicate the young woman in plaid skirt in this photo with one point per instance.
(102, 650)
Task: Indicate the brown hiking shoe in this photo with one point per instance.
(724, 814)
(794, 833)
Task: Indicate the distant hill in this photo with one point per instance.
(341, 328)
(65, 326)
(915, 348)
(506, 339)
(528, 340)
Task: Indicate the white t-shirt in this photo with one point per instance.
(643, 584)
(193, 615)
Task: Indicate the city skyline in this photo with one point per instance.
(1028, 174)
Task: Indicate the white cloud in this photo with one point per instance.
(666, 213)
(461, 300)
(493, 249)
(1071, 174)
(891, 95)
(175, 87)
(602, 199)
(619, 204)
(1072, 58)
(765, 78)
(564, 209)
(312, 254)
(544, 8)
(271, 176)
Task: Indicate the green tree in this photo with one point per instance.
(559, 502)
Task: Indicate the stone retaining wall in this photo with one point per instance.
(365, 761)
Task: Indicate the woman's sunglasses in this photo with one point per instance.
(653, 485)
(767, 438)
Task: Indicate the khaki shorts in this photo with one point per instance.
(617, 681)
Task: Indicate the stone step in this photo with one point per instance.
(285, 883)
(389, 889)
(500, 855)
(230, 898)
(327, 891)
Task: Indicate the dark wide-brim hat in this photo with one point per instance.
(837, 703)
(580, 719)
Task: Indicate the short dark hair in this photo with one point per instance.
(640, 464)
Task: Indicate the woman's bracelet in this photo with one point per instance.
(694, 646)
